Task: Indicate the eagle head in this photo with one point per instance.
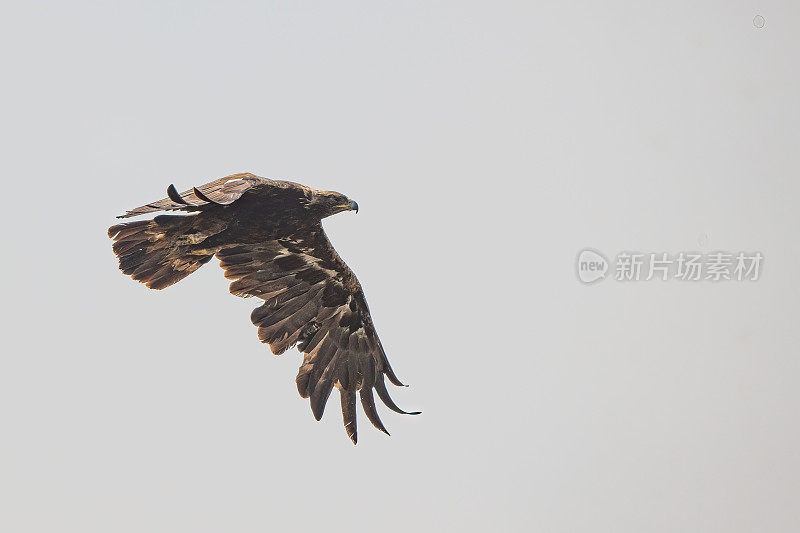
(326, 203)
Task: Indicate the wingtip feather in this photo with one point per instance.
(203, 197)
(173, 194)
(383, 394)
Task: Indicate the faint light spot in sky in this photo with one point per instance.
(758, 21)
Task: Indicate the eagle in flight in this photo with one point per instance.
(268, 237)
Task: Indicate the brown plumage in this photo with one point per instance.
(268, 237)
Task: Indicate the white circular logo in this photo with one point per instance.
(592, 266)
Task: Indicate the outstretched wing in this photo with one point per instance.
(223, 191)
(312, 299)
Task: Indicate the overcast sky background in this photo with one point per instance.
(486, 144)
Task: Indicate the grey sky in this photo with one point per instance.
(486, 144)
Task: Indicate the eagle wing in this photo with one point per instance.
(223, 191)
(312, 299)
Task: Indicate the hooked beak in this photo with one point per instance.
(352, 206)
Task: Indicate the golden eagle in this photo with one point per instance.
(268, 237)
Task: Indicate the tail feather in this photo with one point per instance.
(159, 252)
